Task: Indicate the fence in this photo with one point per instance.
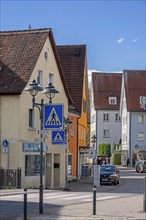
(10, 178)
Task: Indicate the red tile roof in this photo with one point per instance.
(19, 52)
(135, 86)
(73, 61)
(106, 85)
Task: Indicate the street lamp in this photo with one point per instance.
(50, 92)
(67, 122)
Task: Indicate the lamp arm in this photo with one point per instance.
(39, 106)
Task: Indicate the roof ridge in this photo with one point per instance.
(70, 45)
(25, 31)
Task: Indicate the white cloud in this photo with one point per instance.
(120, 40)
(135, 40)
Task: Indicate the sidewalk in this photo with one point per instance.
(117, 209)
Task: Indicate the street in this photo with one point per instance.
(11, 203)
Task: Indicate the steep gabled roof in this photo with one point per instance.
(135, 86)
(19, 52)
(73, 58)
(106, 85)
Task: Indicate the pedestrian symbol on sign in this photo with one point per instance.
(58, 137)
(53, 118)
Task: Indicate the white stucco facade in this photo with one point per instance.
(14, 126)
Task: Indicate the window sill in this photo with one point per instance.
(32, 129)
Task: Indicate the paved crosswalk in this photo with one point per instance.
(59, 197)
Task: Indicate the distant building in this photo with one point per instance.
(73, 59)
(105, 102)
(133, 115)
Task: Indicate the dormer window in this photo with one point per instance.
(112, 100)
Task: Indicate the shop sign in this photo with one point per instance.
(33, 147)
(140, 147)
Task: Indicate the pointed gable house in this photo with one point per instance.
(24, 56)
(74, 65)
(133, 115)
(105, 101)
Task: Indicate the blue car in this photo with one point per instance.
(109, 174)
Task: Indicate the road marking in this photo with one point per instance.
(101, 198)
(58, 196)
(77, 197)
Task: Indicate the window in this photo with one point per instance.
(40, 78)
(112, 100)
(72, 128)
(51, 78)
(140, 119)
(141, 136)
(84, 105)
(106, 133)
(31, 118)
(69, 164)
(32, 165)
(105, 117)
(117, 117)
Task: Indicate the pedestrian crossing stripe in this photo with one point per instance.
(58, 137)
(53, 118)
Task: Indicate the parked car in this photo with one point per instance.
(109, 174)
(140, 166)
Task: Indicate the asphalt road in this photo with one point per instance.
(11, 204)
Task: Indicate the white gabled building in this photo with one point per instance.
(133, 115)
(105, 101)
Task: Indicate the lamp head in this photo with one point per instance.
(33, 88)
(50, 92)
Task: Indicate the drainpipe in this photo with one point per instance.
(77, 160)
(96, 134)
(0, 135)
(130, 153)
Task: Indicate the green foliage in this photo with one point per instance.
(104, 150)
(117, 158)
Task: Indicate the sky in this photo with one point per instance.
(114, 31)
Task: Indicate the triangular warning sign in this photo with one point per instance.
(58, 138)
(53, 118)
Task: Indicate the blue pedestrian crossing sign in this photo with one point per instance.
(53, 116)
(58, 137)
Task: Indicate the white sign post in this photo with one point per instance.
(96, 175)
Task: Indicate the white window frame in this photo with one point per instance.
(117, 117)
(105, 117)
(113, 100)
(140, 136)
(106, 133)
(72, 128)
(32, 118)
(40, 74)
(141, 119)
(51, 78)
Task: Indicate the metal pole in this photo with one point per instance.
(41, 162)
(94, 200)
(25, 204)
(144, 201)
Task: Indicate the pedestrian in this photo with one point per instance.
(127, 162)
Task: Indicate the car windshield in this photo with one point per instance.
(107, 169)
